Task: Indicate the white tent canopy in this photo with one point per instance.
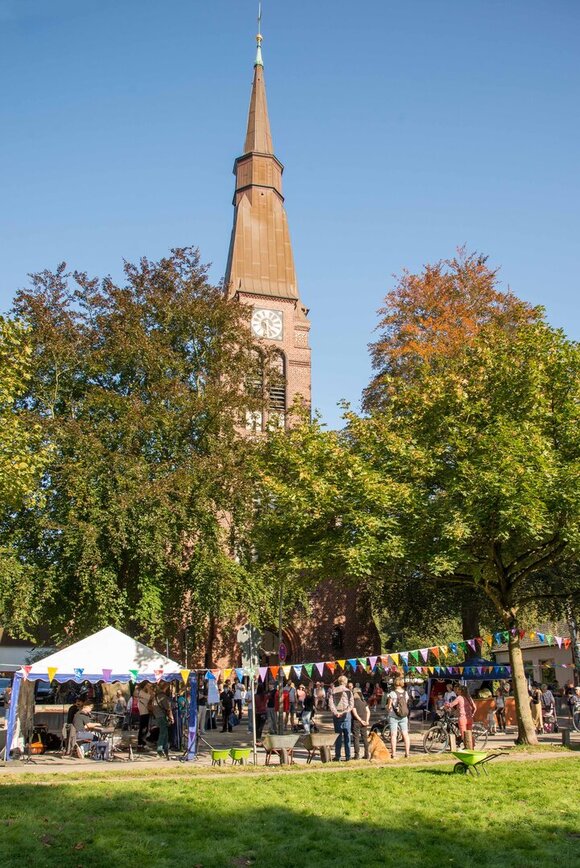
(108, 655)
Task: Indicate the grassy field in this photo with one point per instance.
(524, 813)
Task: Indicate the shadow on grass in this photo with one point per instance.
(326, 820)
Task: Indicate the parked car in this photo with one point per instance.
(5, 683)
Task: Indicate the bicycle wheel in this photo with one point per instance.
(435, 740)
(480, 735)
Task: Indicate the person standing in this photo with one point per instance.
(163, 718)
(144, 698)
(271, 711)
(239, 694)
(466, 709)
(261, 701)
(319, 696)
(536, 708)
(307, 710)
(227, 703)
(361, 716)
(398, 714)
(341, 704)
(500, 709)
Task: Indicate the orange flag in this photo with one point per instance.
(274, 671)
(331, 665)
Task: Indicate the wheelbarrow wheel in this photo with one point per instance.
(460, 769)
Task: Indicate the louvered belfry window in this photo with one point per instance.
(277, 388)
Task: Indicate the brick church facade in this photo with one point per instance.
(260, 272)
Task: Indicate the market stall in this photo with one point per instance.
(106, 657)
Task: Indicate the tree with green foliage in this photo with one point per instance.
(140, 389)
(487, 448)
(23, 455)
(464, 477)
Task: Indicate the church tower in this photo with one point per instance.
(260, 269)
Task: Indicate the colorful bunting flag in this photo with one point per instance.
(134, 673)
(239, 673)
(26, 670)
(185, 675)
(424, 653)
(227, 673)
(414, 655)
(52, 670)
(263, 671)
(352, 663)
(297, 671)
(309, 667)
(373, 662)
(320, 667)
(286, 670)
(471, 643)
(395, 659)
(79, 672)
(435, 652)
(341, 663)
(558, 641)
(331, 666)
(404, 655)
(274, 671)
(107, 675)
(158, 673)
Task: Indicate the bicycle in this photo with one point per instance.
(437, 738)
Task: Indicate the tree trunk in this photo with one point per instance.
(210, 642)
(526, 731)
(470, 621)
(575, 636)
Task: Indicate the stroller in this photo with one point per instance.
(550, 719)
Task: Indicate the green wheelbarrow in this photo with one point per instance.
(471, 761)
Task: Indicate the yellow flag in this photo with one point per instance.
(286, 671)
(52, 670)
(395, 659)
(227, 673)
(444, 649)
(341, 663)
(489, 639)
(185, 675)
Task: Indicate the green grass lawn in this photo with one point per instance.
(524, 814)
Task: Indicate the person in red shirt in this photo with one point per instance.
(465, 710)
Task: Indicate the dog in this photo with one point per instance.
(377, 748)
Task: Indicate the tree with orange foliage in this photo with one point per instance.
(430, 317)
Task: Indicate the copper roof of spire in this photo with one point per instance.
(260, 260)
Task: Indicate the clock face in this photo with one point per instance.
(267, 323)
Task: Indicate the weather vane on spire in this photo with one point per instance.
(259, 61)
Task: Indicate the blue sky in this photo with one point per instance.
(407, 129)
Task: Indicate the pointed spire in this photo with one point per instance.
(258, 135)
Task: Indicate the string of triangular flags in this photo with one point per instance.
(424, 661)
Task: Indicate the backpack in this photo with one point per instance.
(401, 704)
(344, 700)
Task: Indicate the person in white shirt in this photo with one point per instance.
(449, 694)
(239, 695)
